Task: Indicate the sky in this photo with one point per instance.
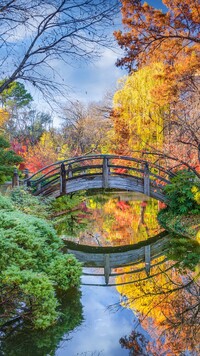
(87, 81)
(91, 81)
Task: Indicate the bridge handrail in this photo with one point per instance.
(93, 157)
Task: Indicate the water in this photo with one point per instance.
(123, 307)
(101, 329)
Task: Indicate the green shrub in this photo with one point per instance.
(33, 267)
(5, 204)
(180, 193)
(184, 250)
(24, 201)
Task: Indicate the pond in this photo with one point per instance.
(139, 292)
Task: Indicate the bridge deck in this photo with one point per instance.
(100, 171)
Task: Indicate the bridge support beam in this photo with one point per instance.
(146, 180)
(147, 256)
(62, 179)
(107, 268)
(69, 171)
(105, 172)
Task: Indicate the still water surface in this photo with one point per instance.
(141, 311)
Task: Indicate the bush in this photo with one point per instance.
(24, 201)
(33, 267)
(182, 192)
(184, 250)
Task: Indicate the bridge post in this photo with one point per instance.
(69, 171)
(146, 180)
(107, 268)
(15, 178)
(26, 173)
(105, 172)
(26, 177)
(39, 186)
(147, 257)
(62, 179)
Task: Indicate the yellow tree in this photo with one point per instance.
(138, 116)
(4, 117)
(170, 37)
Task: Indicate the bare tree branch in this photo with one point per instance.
(35, 36)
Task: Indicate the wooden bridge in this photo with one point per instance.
(97, 172)
(144, 255)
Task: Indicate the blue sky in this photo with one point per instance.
(90, 81)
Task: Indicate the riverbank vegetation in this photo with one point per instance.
(183, 209)
(33, 268)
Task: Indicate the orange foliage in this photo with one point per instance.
(35, 157)
(153, 35)
(170, 38)
(121, 222)
(166, 309)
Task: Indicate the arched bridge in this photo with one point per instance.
(142, 256)
(100, 171)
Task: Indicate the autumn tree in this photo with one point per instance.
(155, 35)
(65, 31)
(85, 128)
(138, 118)
(41, 154)
(169, 37)
(4, 117)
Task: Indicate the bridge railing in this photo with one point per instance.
(58, 173)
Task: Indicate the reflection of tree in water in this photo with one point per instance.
(119, 221)
(105, 220)
(23, 341)
(70, 214)
(134, 221)
(168, 309)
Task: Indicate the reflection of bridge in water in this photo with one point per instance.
(100, 171)
(144, 253)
